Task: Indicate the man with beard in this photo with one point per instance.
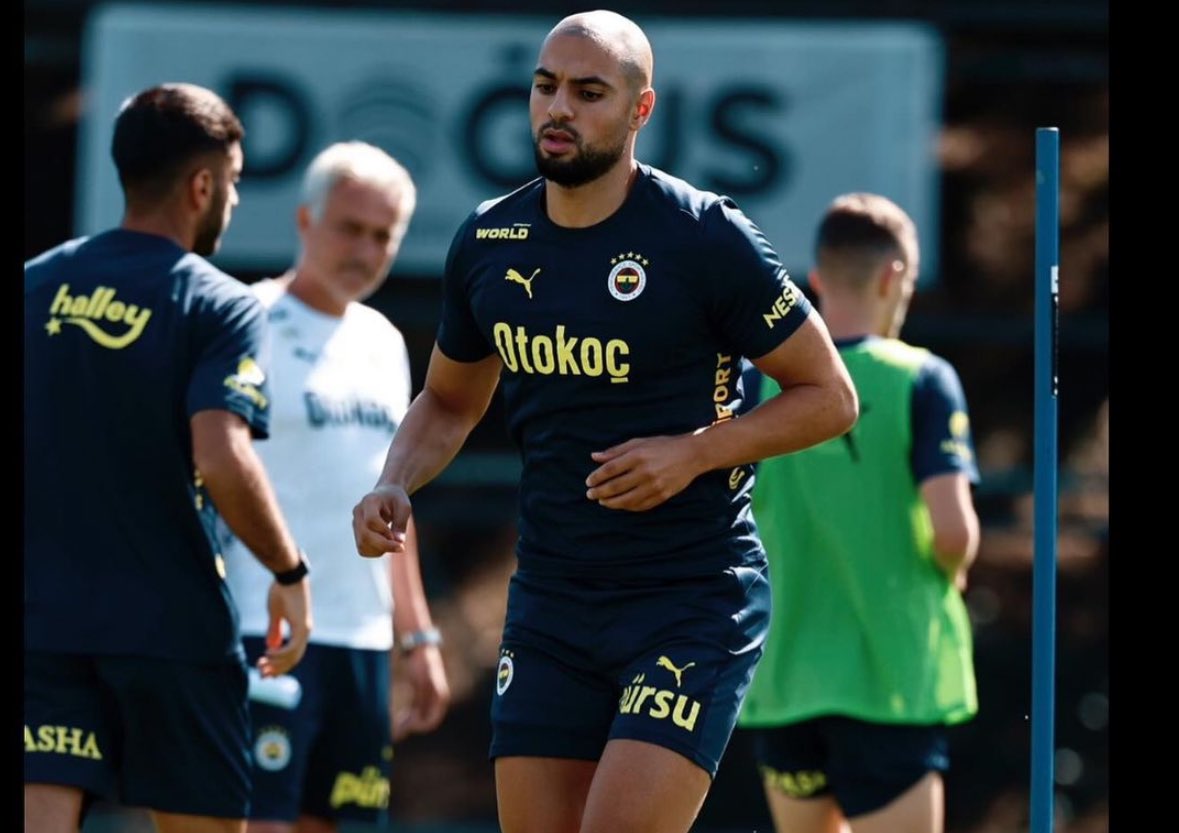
(614, 303)
(341, 384)
(144, 381)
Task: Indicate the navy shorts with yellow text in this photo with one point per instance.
(331, 755)
(863, 765)
(170, 736)
(585, 661)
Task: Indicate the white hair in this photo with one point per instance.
(363, 163)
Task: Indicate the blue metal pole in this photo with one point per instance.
(1045, 476)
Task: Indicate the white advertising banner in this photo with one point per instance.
(781, 115)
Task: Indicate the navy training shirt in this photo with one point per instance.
(127, 335)
(633, 327)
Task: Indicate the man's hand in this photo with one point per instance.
(642, 473)
(431, 694)
(379, 521)
(291, 604)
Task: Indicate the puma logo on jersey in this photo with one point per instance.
(664, 662)
(526, 282)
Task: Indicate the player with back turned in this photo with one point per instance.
(144, 384)
(869, 536)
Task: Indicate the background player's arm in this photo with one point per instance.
(423, 665)
(438, 422)
(955, 524)
(233, 474)
(817, 402)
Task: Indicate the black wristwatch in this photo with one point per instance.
(295, 574)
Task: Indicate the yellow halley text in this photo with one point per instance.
(85, 310)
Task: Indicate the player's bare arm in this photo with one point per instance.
(224, 454)
(453, 400)
(429, 697)
(817, 402)
(955, 524)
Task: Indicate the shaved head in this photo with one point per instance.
(618, 35)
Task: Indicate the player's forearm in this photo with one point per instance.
(954, 520)
(239, 487)
(410, 609)
(797, 418)
(425, 443)
(955, 547)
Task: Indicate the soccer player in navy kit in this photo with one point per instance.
(144, 380)
(614, 302)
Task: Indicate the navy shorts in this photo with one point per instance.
(863, 765)
(586, 661)
(331, 755)
(169, 736)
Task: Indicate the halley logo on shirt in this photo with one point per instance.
(247, 381)
(526, 282)
(628, 278)
(63, 740)
(97, 313)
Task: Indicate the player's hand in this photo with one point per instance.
(379, 521)
(290, 604)
(431, 694)
(640, 474)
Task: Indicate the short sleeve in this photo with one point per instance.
(942, 441)
(459, 336)
(230, 371)
(755, 304)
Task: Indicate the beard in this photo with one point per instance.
(208, 235)
(586, 165)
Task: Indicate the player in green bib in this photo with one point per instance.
(869, 537)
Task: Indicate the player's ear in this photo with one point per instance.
(891, 275)
(200, 187)
(816, 282)
(643, 108)
(303, 217)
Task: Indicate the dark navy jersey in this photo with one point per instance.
(633, 327)
(127, 336)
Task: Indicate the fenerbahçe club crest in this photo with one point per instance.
(628, 278)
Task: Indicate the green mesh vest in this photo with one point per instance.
(864, 623)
